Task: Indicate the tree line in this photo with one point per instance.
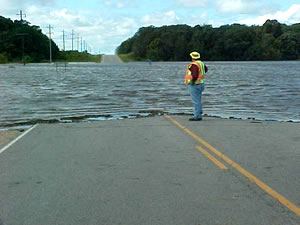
(236, 42)
(18, 38)
(22, 42)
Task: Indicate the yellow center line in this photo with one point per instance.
(213, 159)
(247, 174)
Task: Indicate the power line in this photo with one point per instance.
(78, 38)
(74, 42)
(72, 38)
(64, 46)
(21, 15)
(86, 47)
(23, 45)
(50, 44)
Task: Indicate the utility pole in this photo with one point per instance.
(87, 47)
(72, 39)
(50, 44)
(64, 47)
(78, 42)
(21, 15)
(23, 45)
(81, 45)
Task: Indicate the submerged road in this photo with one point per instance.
(111, 59)
(155, 170)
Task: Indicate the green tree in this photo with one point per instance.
(272, 27)
(270, 48)
(289, 47)
(153, 50)
(272, 41)
(13, 34)
(237, 40)
(3, 59)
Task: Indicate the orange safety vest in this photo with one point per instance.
(188, 74)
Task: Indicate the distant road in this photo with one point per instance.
(111, 59)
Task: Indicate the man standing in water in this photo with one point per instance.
(194, 78)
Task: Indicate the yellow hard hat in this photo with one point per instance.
(195, 55)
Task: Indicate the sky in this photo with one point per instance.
(100, 26)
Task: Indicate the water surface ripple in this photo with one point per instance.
(42, 92)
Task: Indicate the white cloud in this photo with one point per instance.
(160, 19)
(192, 4)
(290, 16)
(102, 35)
(105, 29)
(236, 6)
(224, 6)
(69, 18)
(198, 18)
(119, 3)
(12, 7)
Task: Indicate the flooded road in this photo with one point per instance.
(90, 91)
(113, 59)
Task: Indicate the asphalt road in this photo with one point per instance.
(150, 171)
(111, 59)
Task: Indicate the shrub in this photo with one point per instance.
(3, 59)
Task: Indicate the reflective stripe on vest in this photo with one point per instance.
(188, 74)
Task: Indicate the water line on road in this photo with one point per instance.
(18, 138)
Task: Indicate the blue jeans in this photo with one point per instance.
(196, 94)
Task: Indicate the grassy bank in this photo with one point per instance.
(64, 56)
(130, 57)
(75, 56)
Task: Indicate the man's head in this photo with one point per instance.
(195, 55)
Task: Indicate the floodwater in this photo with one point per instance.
(89, 91)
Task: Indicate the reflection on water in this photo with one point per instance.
(41, 92)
